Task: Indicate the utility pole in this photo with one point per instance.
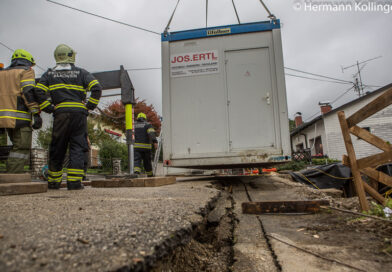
(358, 86)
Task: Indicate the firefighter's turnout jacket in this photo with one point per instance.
(17, 95)
(144, 134)
(67, 86)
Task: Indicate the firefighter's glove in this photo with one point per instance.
(37, 122)
(48, 109)
(90, 106)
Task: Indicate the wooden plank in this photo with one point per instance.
(375, 160)
(373, 193)
(377, 175)
(159, 181)
(117, 182)
(15, 178)
(370, 138)
(23, 188)
(376, 105)
(346, 160)
(135, 182)
(353, 162)
(292, 206)
(373, 183)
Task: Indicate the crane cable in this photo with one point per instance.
(236, 13)
(206, 13)
(171, 18)
(270, 15)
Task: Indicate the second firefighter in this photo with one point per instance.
(144, 137)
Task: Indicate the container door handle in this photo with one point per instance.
(267, 98)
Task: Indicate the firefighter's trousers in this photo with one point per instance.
(69, 129)
(20, 153)
(143, 155)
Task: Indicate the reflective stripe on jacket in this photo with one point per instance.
(144, 134)
(67, 86)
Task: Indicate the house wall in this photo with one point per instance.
(380, 124)
(313, 131)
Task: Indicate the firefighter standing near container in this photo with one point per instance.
(67, 85)
(144, 136)
(18, 108)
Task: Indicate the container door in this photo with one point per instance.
(250, 105)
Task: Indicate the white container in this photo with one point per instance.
(224, 97)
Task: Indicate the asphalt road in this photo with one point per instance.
(96, 229)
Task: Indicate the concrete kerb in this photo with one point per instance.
(133, 182)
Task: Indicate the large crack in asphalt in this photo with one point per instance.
(206, 246)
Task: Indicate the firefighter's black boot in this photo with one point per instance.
(74, 185)
(54, 185)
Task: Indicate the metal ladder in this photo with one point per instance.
(157, 152)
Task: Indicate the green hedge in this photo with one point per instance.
(111, 149)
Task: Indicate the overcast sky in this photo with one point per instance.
(314, 41)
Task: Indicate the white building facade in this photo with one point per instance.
(324, 133)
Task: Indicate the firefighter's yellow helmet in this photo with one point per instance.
(141, 115)
(23, 54)
(64, 54)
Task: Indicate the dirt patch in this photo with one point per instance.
(366, 237)
(360, 238)
(210, 248)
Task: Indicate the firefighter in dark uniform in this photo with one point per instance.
(67, 86)
(144, 136)
(17, 105)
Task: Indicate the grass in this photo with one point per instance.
(378, 209)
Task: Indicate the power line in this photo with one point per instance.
(12, 50)
(335, 99)
(317, 79)
(340, 96)
(313, 74)
(105, 18)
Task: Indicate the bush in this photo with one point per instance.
(110, 149)
(45, 137)
(293, 166)
(322, 161)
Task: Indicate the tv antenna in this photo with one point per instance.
(358, 84)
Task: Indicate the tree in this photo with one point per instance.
(117, 110)
(291, 125)
(44, 137)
